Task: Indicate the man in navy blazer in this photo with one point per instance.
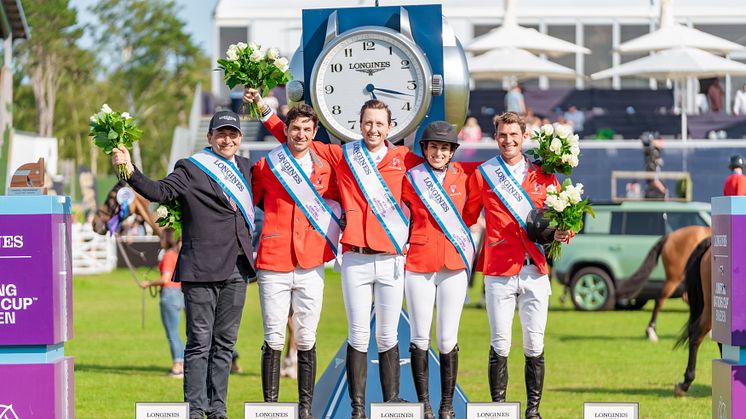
(215, 261)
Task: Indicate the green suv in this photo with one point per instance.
(613, 245)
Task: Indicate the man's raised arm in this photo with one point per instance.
(271, 121)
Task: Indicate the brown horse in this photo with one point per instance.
(698, 280)
(674, 248)
(110, 208)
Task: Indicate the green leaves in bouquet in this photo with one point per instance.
(248, 65)
(557, 148)
(170, 215)
(565, 210)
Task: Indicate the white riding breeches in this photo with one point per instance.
(369, 277)
(530, 289)
(301, 289)
(446, 290)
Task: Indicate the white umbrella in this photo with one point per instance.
(671, 35)
(510, 35)
(513, 62)
(676, 64)
(679, 36)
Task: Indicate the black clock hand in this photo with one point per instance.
(370, 88)
(393, 92)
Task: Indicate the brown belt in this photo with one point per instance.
(366, 250)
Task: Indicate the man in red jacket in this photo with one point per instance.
(735, 184)
(368, 170)
(296, 188)
(515, 268)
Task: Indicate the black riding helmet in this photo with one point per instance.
(537, 227)
(439, 131)
(736, 160)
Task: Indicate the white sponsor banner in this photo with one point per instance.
(508, 410)
(162, 411)
(397, 411)
(270, 410)
(611, 410)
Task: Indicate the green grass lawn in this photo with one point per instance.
(590, 356)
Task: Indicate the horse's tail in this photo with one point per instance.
(631, 287)
(693, 281)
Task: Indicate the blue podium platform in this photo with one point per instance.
(331, 398)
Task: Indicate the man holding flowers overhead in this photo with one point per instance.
(508, 187)
(213, 190)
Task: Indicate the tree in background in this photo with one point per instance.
(152, 67)
(49, 56)
(143, 61)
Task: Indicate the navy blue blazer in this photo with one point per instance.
(212, 231)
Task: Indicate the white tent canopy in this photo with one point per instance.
(679, 36)
(672, 35)
(676, 63)
(513, 62)
(510, 35)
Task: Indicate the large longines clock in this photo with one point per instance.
(371, 61)
(366, 63)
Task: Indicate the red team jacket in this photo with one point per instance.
(506, 242)
(429, 248)
(735, 184)
(288, 238)
(363, 228)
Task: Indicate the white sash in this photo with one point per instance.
(441, 207)
(298, 185)
(378, 195)
(227, 175)
(507, 188)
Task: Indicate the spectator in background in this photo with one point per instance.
(715, 96)
(283, 112)
(739, 104)
(272, 101)
(735, 184)
(533, 122)
(471, 132)
(514, 101)
(172, 300)
(576, 119)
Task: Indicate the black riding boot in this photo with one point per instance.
(534, 385)
(306, 381)
(357, 374)
(498, 376)
(420, 376)
(388, 366)
(448, 373)
(270, 373)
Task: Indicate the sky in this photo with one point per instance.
(197, 14)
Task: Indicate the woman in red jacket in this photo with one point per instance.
(439, 259)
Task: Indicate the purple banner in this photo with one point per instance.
(37, 390)
(728, 389)
(35, 279)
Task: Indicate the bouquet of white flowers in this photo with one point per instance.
(558, 149)
(249, 65)
(169, 215)
(565, 209)
(111, 129)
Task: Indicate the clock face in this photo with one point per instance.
(370, 64)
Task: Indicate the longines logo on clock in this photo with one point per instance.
(370, 67)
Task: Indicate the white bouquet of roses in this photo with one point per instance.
(249, 65)
(111, 129)
(169, 215)
(558, 148)
(565, 209)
